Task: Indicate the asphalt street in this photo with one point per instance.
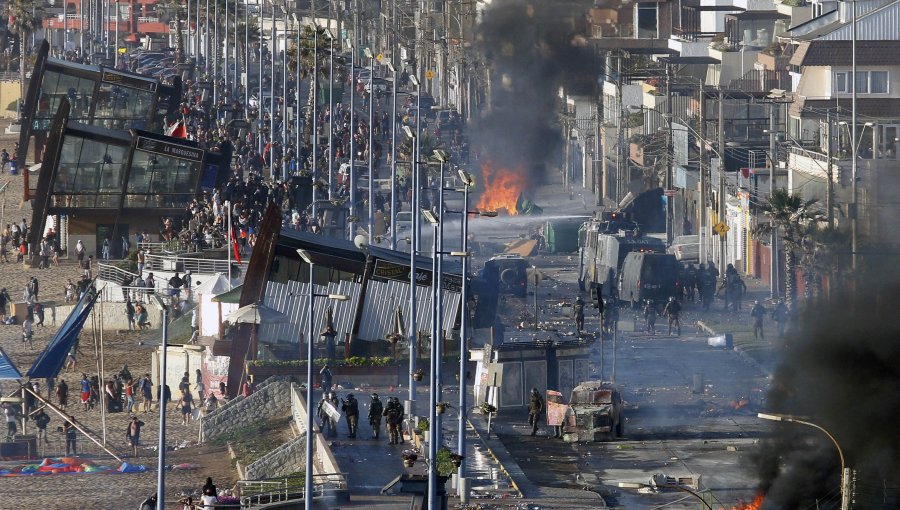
(669, 429)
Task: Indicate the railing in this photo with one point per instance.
(194, 265)
(148, 19)
(173, 246)
(113, 273)
(273, 490)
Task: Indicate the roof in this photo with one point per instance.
(826, 53)
(353, 257)
(866, 107)
(751, 15)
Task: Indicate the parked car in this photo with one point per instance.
(685, 248)
(596, 413)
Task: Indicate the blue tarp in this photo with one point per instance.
(7, 369)
(51, 361)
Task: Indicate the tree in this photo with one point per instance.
(172, 10)
(794, 220)
(24, 20)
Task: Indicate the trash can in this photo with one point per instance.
(13, 170)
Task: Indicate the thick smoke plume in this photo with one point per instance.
(531, 49)
(842, 372)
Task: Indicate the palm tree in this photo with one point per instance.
(793, 219)
(24, 19)
(172, 10)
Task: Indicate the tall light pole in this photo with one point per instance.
(310, 317)
(413, 282)
(433, 425)
(161, 461)
(315, 118)
(273, 50)
(353, 211)
(330, 113)
(394, 208)
(371, 223)
(417, 223)
(845, 496)
(854, 165)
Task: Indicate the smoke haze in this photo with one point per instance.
(842, 372)
(532, 49)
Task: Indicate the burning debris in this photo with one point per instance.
(504, 191)
(840, 373)
(756, 504)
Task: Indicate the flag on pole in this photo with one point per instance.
(177, 130)
(234, 246)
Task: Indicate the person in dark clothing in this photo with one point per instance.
(757, 313)
(650, 314)
(578, 313)
(780, 316)
(350, 407)
(394, 417)
(71, 439)
(41, 420)
(535, 409)
(672, 311)
(375, 411)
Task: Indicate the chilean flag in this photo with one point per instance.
(234, 246)
(177, 130)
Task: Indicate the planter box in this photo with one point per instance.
(357, 376)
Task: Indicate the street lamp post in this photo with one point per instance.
(845, 496)
(433, 383)
(330, 113)
(371, 223)
(273, 49)
(413, 282)
(310, 317)
(393, 71)
(161, 467)
(314, 129)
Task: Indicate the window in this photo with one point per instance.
(646, 20)
(878, 82)
(840, 82)
(867, 82)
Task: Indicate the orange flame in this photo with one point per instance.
(502, 187)
(756, 504)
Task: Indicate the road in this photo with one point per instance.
(669, 429)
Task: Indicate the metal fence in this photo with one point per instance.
(194, 265)
(274, 490)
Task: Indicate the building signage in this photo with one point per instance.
(173, 150)
(124, 80)
(399, 272)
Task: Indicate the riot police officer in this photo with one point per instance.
(375, 410)
(671, 311)
(351, 411)
(535, 408)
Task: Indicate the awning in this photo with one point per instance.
(50, 362)
(7, 369)
(232, 296)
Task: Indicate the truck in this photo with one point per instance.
(602, 251)
(648, 276)
(595, 413)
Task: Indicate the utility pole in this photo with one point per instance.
(829, 173)
(854, 174)
(670, 209)
(773, 241)
(722, 215)
(704, 182)
(621, 181)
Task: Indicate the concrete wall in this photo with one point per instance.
(284, 460)
(9, 91)
(270, 400)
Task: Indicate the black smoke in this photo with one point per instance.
(531, 50)
(842, 372)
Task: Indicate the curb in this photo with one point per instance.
(515, 467)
